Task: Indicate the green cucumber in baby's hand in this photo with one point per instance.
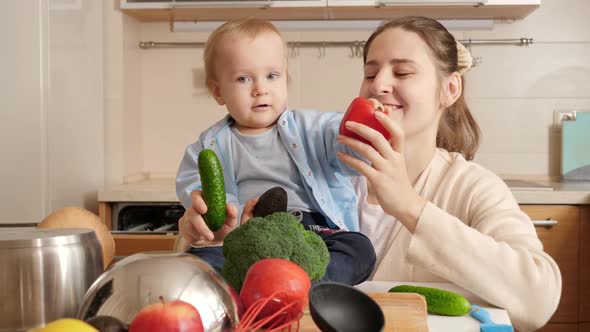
(213, 189)
(438, 301)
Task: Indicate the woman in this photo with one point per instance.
(432, 215)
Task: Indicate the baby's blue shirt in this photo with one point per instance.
(310, 138)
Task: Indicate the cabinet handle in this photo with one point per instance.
(548, 223)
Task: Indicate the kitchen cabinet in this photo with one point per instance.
(440, 9)
(183, 4)
(560, 327)
(562, 243)
(145, 10)
(128, 244)
(222, 10)
(585, 266)
(52, 138)
(22, 129)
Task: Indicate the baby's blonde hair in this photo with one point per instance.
(249, 26)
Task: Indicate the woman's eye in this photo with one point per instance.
(243, 79)
(369, 77)
(272, 76)
(402, 74)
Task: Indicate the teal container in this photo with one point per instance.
(575, 148)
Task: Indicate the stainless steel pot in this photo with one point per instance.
(44, 274)
(139, 280)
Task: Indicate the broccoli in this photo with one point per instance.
(279, 235)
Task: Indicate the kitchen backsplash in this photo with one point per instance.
(513, 92)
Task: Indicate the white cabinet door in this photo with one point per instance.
(147, 4)
(335, 3)
(433, 2)
(74, 103)
(51, 132)
(22, 123)
(513, 2)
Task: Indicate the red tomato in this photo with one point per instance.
(271, 275)
(362, 111)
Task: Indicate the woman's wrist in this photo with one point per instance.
(412, 212)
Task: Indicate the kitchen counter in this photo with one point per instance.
(163, 190)
(438, 323)
(549, 191)
(146, 190)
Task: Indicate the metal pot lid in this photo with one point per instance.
(33, 237)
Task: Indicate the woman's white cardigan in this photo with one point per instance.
(472, 233)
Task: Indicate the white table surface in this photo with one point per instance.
(437, 323)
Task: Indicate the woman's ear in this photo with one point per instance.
(215, 90)
(451, 90)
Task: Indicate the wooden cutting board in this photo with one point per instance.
(404, 312)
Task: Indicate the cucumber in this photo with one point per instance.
(438, 301)
(213, 189)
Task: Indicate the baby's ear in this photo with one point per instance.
(215, 91)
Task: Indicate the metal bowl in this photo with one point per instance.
(45, 273)
(139, 280)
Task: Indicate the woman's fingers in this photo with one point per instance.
(394, 128)
(362, 148)
(381, 147)
(360, 166)
(380, 155)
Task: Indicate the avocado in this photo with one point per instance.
(271, 201)
(213, 189)
(438, 301)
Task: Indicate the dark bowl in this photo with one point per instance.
(337, 307)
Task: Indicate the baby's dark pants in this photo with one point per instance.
(352, 256)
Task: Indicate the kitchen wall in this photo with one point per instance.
(156, 104)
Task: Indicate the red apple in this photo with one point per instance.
(174, 316)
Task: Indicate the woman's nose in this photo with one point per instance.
(381, 85)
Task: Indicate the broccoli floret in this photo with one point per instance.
(279, 235)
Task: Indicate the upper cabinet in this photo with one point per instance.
(160, 4)
(221, 10)
(440, 9)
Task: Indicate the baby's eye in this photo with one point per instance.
(272, 76)
(243, 79)
(369, 77)
(402, 74)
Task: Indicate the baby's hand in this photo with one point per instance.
(194, 230)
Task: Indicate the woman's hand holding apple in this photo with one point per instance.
(386, 172)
